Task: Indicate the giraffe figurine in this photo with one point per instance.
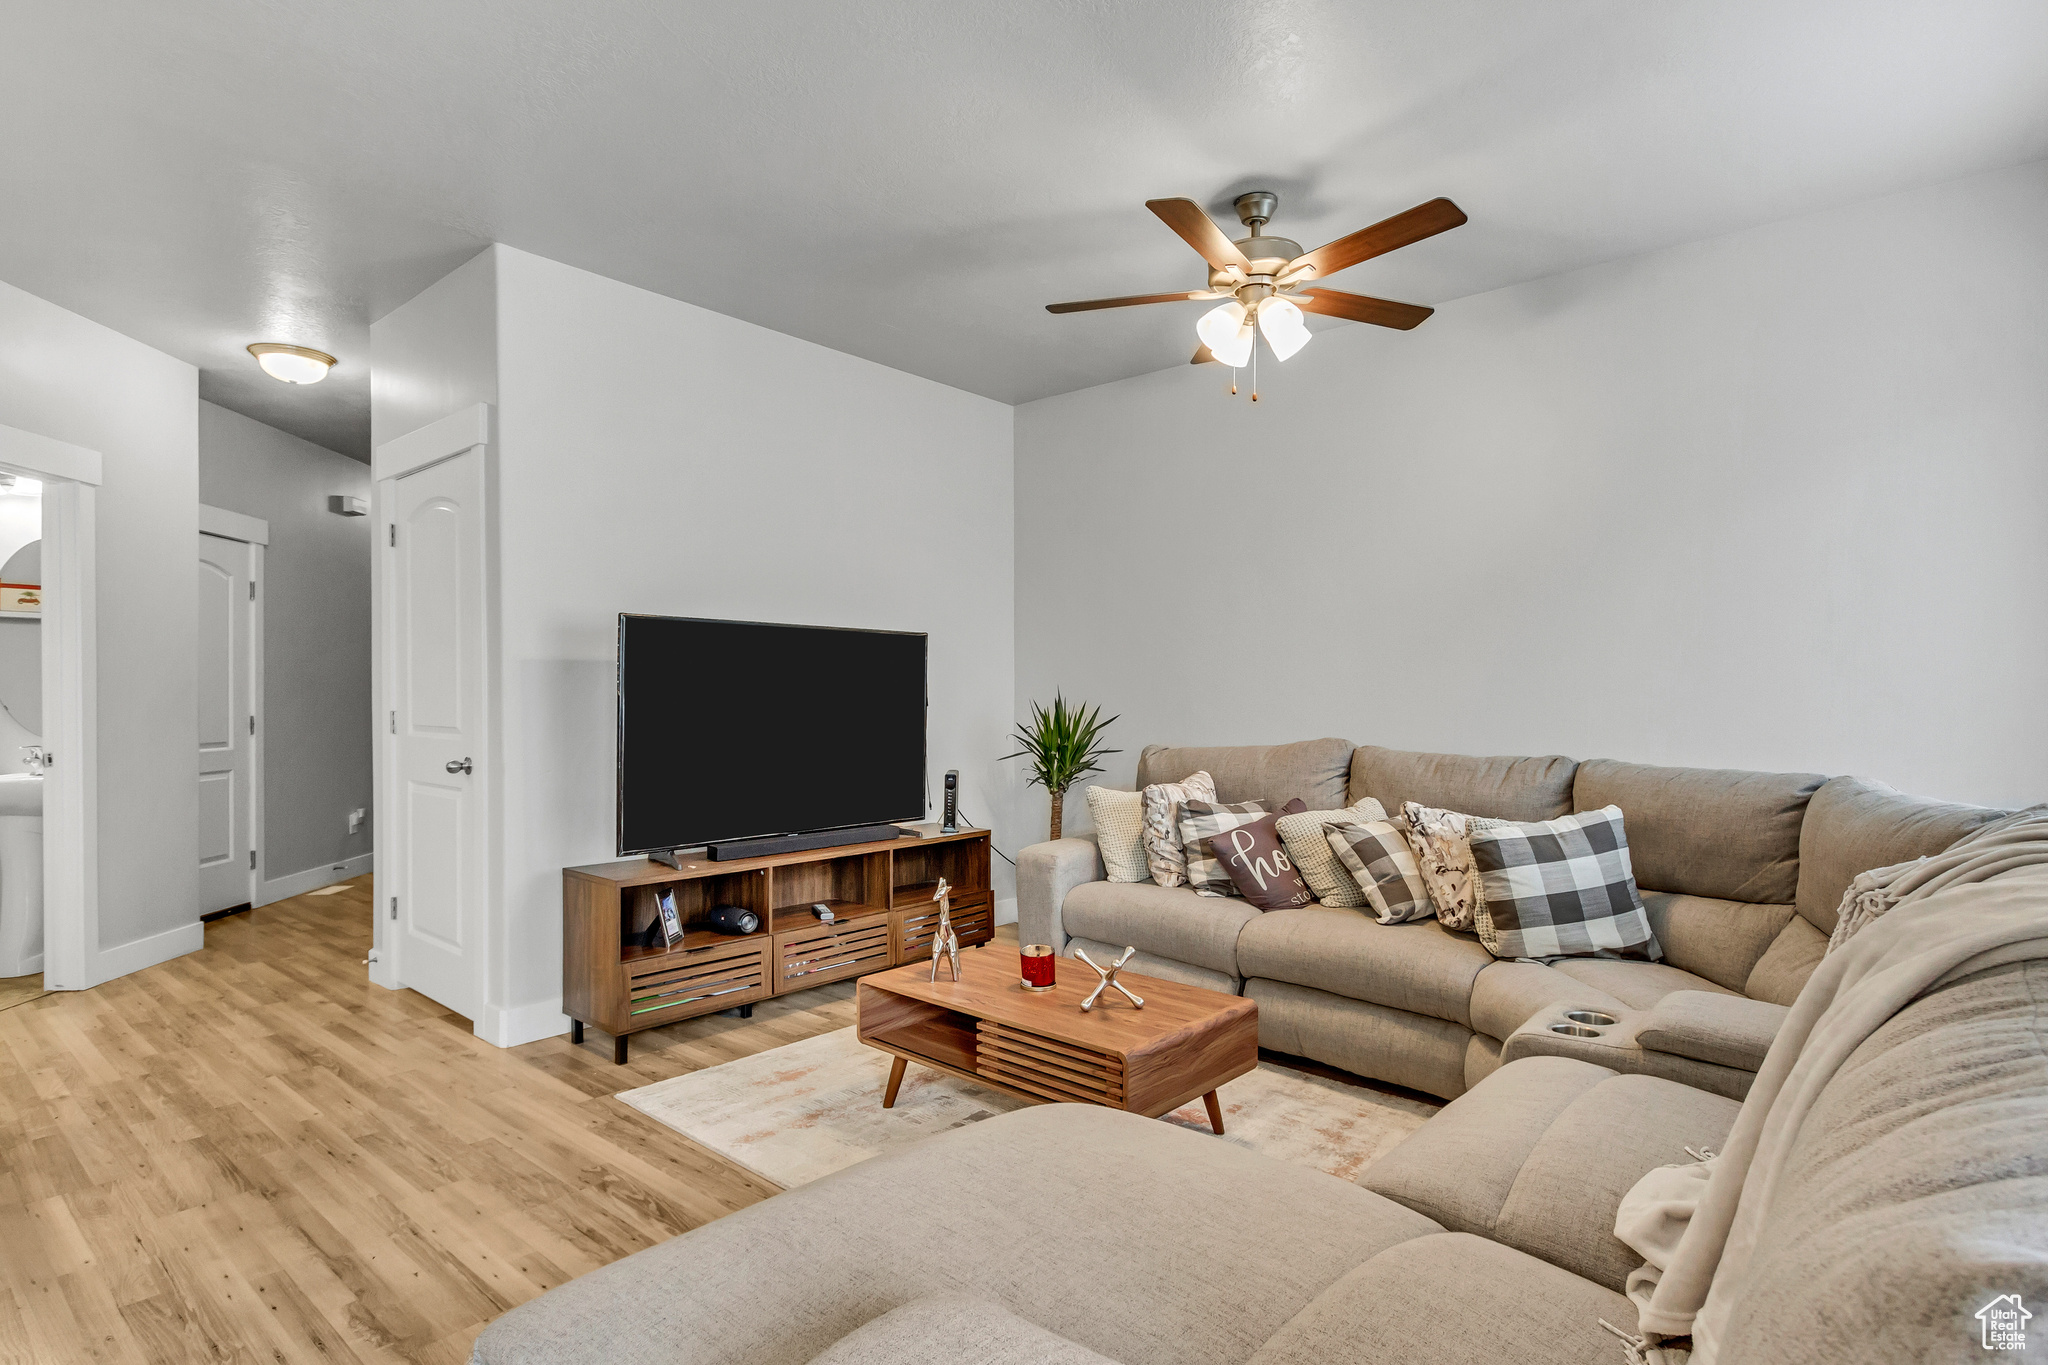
(945, 942)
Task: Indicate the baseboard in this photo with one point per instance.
(30, 965)
(147, 952)
(313, 878)
(522, 1023)
(1006, 911)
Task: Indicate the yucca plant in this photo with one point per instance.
(1062, 744)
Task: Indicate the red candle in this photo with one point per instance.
(1038, 970)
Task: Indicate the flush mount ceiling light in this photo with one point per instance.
(292, 364)
(1265, 277)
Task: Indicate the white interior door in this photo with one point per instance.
(437, 562)
(227, 722)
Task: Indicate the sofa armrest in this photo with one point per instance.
(1724, 1029)
(1045, 874)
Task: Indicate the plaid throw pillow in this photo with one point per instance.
(1305, 837)
(1379, 859)
(1560, 888)
(1201, 821)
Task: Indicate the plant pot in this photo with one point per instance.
(1058, 799)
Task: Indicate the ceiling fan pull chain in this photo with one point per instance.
(1233, 381)
(1255, 369)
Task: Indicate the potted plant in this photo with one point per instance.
(1062, 744)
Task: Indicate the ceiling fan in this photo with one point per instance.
(1266, 278)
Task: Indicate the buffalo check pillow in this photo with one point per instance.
(1379, 859)
(1201, 821)
(1559, 888)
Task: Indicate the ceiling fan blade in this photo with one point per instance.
(1131, 300)
(1360, 308)
(1199, 231)
(1390, 234)
(1203, 356)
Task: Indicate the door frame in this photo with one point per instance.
(460, 432)
(71, 808)
(254, 532)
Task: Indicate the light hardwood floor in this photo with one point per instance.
(253, 1154)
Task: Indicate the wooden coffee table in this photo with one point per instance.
(988, 1028)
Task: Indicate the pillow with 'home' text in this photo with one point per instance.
(1256, 859)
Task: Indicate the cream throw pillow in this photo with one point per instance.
(1442, 840)
(1304, 835)
(1164, 853)
(1120, 833)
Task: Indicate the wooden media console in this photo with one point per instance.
(621, 978)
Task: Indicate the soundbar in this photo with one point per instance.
(771, 844)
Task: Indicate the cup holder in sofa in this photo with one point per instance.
(1592, 1017)
(1575, 1030)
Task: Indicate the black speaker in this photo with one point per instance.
(732, 919)
(951, 823)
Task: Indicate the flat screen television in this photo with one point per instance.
(737, 729)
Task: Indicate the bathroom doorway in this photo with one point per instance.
(49, 764)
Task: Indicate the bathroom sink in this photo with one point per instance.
(21, 794)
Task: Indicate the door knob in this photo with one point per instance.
(458, 765)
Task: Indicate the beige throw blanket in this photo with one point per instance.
(1981, 904)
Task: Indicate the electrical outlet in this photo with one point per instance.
(355, 819)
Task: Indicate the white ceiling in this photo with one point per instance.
(913, 182)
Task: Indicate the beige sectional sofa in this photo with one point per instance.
(1741, 873)
(1916, 1193)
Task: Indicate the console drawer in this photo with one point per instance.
(830, 952)
(695, 982)
(974, 920)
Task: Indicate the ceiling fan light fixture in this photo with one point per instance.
(1224, 331)
(292, 364)
(1286, 331)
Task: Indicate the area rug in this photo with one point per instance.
(795, 1113)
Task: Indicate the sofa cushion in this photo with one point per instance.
(1312, 769)
(1098, 1225)
(1719, 832)
(960, 1329)
(1638, 985)
(1855, 824)
(1539, 1154)
(1506, 994)
(1720, 940)
(1379, 1041)
(1420, 967)
(1165, 921)
(1780, 974)
(1503, 788)
(1141, 964)
(1724, 1029)
(1453, 1299)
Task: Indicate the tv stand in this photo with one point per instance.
(880, 893)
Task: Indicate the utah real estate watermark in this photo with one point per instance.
(2005, 1323)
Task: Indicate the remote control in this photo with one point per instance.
(823, 912)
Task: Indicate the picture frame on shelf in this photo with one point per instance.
(669, 917)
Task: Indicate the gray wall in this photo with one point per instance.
(73, 380)
(316, 633)
(1773, 500)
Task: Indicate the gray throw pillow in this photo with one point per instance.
(1560, 888)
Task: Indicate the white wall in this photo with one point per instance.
(76, 381)
(1774, 500)
(315, 599)
(660, 458)
(651, 456)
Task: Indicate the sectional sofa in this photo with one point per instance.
(1916, 1197)
(1741, 873)
(1913, 1201)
